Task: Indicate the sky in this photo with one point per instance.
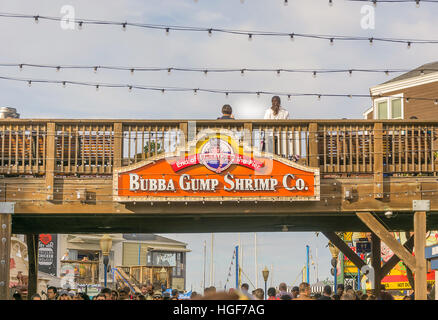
(24, 41)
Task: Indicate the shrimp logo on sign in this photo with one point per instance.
(217, 155)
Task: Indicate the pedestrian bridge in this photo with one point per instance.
(60, 175)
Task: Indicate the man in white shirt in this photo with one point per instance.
(276, 112)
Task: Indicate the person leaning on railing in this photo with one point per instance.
(227, 113)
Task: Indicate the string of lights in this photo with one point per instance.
(206, 71)
(195, 91)
(249, 33)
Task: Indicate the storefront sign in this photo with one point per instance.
(47, 253)
(213, 168)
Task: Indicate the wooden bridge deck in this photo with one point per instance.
(63, 169)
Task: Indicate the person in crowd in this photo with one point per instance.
(359, 294)
(336, 297)
(139, 296)
(285, 297)
(317, 296)
(326, 293)
(114, 295)
(52, 293)
(212, 289)
(36, 296)
(81, 296)
(364, 297)
(372, 297)
(304, 291)
(295, 292)
(272, 294)
(384, 295)
(106, 292)
(195, 296)
(157, 295)
(65, 296)
(100, 296)
(144, 289)
(227, 112)
(17, 296)
(351, 292)
(124, 294)
(175, 294)
(283, 290)
(244, 287)
(347, 295)
(340, 289)
(258, 294)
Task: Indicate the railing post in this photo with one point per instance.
(118, 144)
(50, 160)
(32, 253)
(378, 160)
(247, 134)
(313, 145)
(6, 212)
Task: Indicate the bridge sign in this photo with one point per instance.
(216, 167)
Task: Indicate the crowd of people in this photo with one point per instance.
(157, 292)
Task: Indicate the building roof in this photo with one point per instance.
(150, 237)
(421, 70)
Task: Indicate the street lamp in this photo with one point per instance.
(105, 245)
(335, 252)
(265, 273)
(163, 275)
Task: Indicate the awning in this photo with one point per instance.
(149, 248)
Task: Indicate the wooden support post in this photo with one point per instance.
(313, 145)
(345, 249)
(32, 252)
(50, 160)
(6, 212)
(118, 144)
(420, 260)
(384, 235)
(378, 160)
(376, 262)
(391, 263)
(247, 134)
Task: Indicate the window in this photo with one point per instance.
(178, 270)
(389, 108)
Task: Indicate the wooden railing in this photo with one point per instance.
(139, 275)
(95, 147)
(83, 272)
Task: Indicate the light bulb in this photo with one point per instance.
(278, 73)
(80, 25)
(63, 84)
(132, 71)
(168, 71)
(124, 26)
(36, 19)
(409, 45)
(292, 38)
(97, 87)
(249, 37)
(331, 41)
(314, 74)
(350, 72)
(242, 72)
(210, 32)
(167, 31)
(371, 41)
(288, 97)
(330, 3)
(95, 69)
(286, 2)
(130, 88)
(29, 83)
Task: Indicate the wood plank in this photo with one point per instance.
(345, 249)
(5, 253)
(32, 252)
(118, 144)
(376, 262)
(420, 260)
(374, 225)
(378, 160)
(313, 145)
(51, 160)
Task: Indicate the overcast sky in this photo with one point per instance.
(23, 41)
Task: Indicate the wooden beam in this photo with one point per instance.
(313, 145)
(118, 144)
(376, 263)
(378, 160)
(391, 263)
(32, 252)
(420, 244)
(384, 235)
(50, 160)
(345, 249)
(6, 211)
